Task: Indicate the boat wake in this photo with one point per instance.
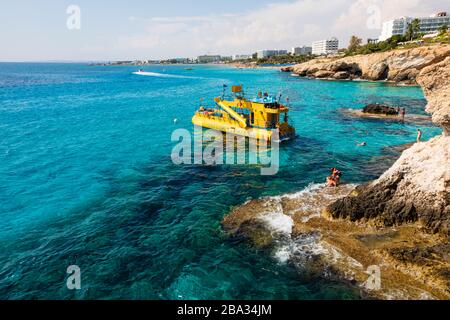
(162, 75)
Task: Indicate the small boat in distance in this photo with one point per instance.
(295, 75)
(256, 118)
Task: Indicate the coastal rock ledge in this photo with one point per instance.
(417, 187)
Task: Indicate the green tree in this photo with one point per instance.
(443, 29)
(413, 29)
(354, 44)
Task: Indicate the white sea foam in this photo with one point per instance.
(299, 250)
(279, 222)
(311, 189)
(305, 247)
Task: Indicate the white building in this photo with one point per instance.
(324, 47)
(209, 59)
(242, 56)
(270, 53)
(298, 51)
(399, 26)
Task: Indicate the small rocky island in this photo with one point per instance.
(380, 109)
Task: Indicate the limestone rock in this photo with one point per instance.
(340, 75)
(380, 109)
(435, 81)
(403, 65)
(323, 74)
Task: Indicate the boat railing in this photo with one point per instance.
(206, 114)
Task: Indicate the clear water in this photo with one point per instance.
(86, 179)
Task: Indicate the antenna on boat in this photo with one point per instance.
(223, 91)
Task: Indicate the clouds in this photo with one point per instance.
(132, 32)
(278, 25)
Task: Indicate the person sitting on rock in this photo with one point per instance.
(331, 183)
(335, 172)
(336, 175)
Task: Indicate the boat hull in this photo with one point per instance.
(234, 128)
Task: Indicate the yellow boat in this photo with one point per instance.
(255, 118)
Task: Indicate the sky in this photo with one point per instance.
(33, 30)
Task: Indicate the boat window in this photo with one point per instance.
(272, 105)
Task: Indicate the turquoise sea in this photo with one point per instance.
(86, 179)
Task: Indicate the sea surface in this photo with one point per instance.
(86, 179)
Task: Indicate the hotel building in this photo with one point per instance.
(208, 59)
(299, 51)
(399, 26)
(241, 57)
(325, 47)
(270, 53)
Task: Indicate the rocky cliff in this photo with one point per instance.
(417, 187)
(403, 65)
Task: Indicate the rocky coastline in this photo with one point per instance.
(417, 187)
(252, 65)
(399, 66)
(399, 222)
